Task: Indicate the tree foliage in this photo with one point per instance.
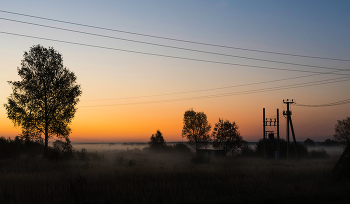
(342, 131)
(44, 101)
(227, 137)
(196, 129)
(157, 141)
(309, 142)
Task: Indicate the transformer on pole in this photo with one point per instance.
(270, 134)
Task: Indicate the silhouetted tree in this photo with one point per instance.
(196, 129)
(44, 101)
(226, 137)
(329, 142)
(342, 135)
(309, 142)
(342, 131)
(157, 141)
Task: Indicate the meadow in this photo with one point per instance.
(135, 176)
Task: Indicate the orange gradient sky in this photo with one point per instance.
(114, 106)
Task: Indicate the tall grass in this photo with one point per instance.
(138, 177)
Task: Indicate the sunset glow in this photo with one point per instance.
(128, 96)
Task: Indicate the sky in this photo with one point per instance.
(128, 96)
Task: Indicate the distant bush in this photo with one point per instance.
(246, 151)
(181, 148)
(18, 146)
(318, 154)
(62, 150)
(82, 155)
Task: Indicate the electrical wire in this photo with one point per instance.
(307, 84)
(174, 39)
(346, 101)
(211, 89)
(174, 47)
(168, 56)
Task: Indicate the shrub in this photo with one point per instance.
(246, 151)
(13, 148)
(318, 154)
(61, 150)
(82, 155)
(181, 148)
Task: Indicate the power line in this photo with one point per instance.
(173, 47)
(307, 84)
(175, 39)
(346, 101)
(169, 56)
(210, 89)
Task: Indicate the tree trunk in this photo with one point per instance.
(346, 151)
(46, 138)
(46, 127)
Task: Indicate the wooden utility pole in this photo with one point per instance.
(288, 113)
(278, 136)
(264, 133)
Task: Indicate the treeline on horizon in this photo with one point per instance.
(224, 137)
(327, 142)
(19, 146)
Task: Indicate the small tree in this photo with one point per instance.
(342, 131)
(44, 101)
(157, 141)
(196, 129)
(309, 142)
(226, 137)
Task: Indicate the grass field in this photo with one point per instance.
(138, 177)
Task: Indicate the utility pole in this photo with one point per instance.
(264, 133)
(288, 113)
(278, 136)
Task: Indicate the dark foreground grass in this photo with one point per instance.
(135, 177)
